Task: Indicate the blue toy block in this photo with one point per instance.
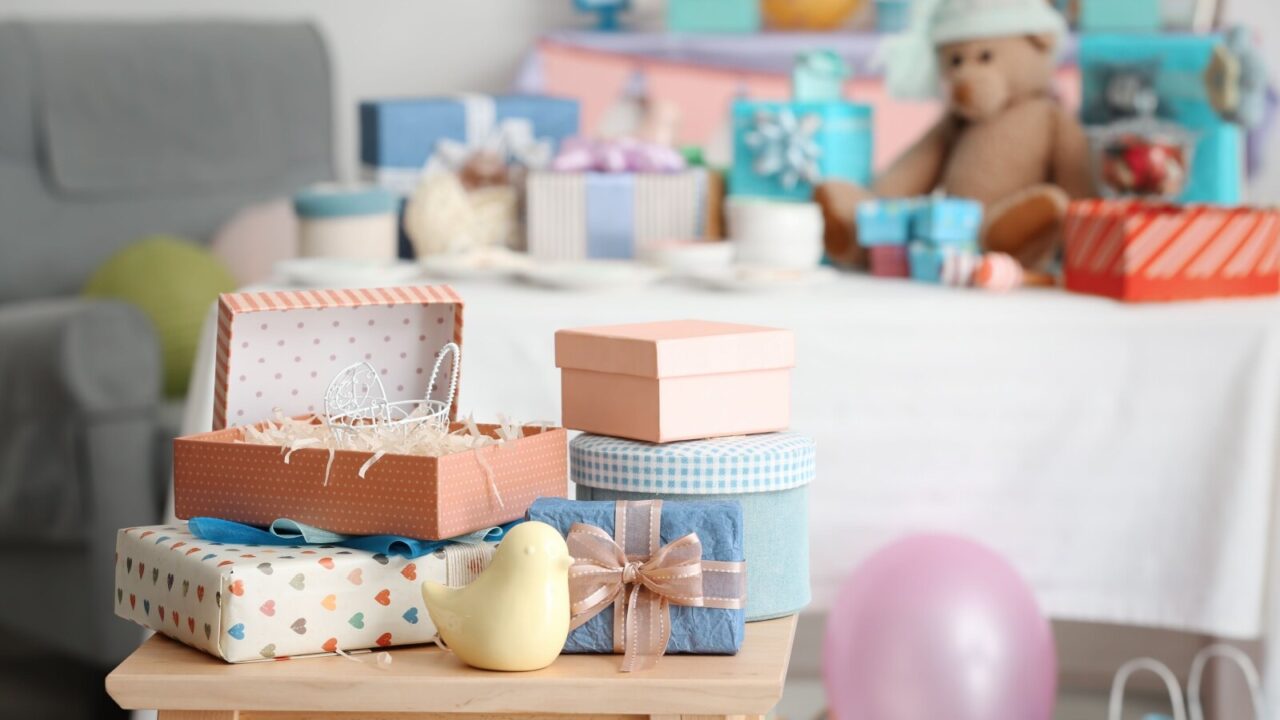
(947, 221)
(925, 262)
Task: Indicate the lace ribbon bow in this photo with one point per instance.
(642, 580)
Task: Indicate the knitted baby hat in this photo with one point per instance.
(911, 66)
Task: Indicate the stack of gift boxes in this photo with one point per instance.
(928, 239)
(363, 534)
(695, 414)
(298, 547)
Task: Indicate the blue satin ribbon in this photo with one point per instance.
(610, 199)
(290, 532)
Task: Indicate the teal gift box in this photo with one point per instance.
(713, 16)
(947, 221)
(767, 474)
(782, 149)
(1120, 15)
(1174, 65)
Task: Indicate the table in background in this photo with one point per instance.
(1123, 458)
(425, 683)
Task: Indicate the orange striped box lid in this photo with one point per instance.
(1141, 251)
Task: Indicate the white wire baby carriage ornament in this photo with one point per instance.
(356, 402)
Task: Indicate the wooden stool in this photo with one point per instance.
(425, 683)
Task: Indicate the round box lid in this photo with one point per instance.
(721, 466)
(326, 200)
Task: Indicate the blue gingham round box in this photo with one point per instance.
(768, 474)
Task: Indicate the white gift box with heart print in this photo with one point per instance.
(257, 602)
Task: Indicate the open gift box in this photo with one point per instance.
(277, 353)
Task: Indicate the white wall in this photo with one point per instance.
(406, 47)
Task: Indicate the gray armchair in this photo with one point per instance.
(109, 132)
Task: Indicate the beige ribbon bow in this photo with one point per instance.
(642, 580)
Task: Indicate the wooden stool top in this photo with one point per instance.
(167, 675)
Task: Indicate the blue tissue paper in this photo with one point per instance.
(699, 631)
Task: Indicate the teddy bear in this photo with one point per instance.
(1004, 139)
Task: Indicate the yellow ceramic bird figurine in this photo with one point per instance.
(515, 615)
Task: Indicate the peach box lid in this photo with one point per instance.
(280, 350)
(676, 348)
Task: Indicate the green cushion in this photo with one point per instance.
(173, 281)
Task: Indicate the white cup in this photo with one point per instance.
(776, 234)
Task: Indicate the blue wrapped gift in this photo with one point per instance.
(947, 221)
(1174, 68)
(885, 222)
(694, 630)
(399, 137)
(781, 150)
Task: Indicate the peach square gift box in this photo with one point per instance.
(677, 380)
(278, 352)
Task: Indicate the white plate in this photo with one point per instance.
(683, 258)
(337, 273)
(743, 278)
(590, 274)
(479, 265)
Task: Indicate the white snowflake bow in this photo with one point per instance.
(785, 146)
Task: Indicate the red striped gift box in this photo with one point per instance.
(1138, 251)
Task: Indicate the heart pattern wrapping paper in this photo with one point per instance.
(253, 602)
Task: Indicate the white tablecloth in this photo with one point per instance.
(1121, 457)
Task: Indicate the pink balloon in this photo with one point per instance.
(934, 627)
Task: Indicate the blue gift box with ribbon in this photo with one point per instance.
(718, 525)
(400, 137)
(946, 221)
(768, 475)
(1170, 71)
(607, 215)
(781, 150)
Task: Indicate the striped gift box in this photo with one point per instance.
(572, 216)
(1136, 251)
